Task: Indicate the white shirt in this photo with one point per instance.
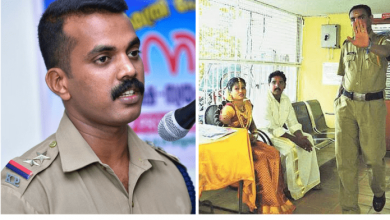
(277, 114)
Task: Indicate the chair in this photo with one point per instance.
(303, 117)
(209, 115)
(318, 118)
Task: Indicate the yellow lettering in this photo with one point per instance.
(138, 20)
(149, 15)
(184, 5)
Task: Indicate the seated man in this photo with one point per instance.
(94, 163)
(298, 155)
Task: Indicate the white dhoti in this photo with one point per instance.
(300, 168)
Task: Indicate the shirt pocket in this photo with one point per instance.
(373, 62)
(350, 61)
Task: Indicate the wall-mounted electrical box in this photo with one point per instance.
(330, 36)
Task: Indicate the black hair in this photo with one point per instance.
(55, 45)
(365, 7)
(277, 73)
(233, 81)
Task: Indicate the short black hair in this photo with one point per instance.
(276, 73)
(233, 81)
(365, 7)
(55, 45)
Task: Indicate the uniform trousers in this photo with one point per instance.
(359, 124)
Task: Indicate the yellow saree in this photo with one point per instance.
(269, 178)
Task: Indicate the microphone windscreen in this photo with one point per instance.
(169, 129)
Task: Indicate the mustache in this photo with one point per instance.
(125, 85)
(277, 89)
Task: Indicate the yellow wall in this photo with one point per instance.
(310, 73)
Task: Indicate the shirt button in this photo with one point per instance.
(53, 144)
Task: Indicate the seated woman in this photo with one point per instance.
(269, 179)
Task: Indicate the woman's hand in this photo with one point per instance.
(253, 137)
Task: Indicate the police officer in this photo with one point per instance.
(361, 111)
(94, 163)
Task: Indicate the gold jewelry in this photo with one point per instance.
(245, 114)
(242, 109)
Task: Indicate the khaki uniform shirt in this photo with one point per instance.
(363, 73)
(74, 180)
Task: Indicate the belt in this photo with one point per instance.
(363, 97)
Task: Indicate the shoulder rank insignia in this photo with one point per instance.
(19, 169)
(42, 156)
(31, 162)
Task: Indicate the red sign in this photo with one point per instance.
(385, 15)
(184, 42)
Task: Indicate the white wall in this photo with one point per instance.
(20, 60)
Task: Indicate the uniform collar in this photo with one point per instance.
(140, 151)
(75, 152)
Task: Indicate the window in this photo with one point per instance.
(249, 39)
(384, 29)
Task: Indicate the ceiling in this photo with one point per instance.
(325, 7)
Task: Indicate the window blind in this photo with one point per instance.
(249, 39)
(385, 30)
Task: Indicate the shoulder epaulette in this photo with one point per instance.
(20, 171)
(162, 151)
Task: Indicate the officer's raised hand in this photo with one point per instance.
(362, 39)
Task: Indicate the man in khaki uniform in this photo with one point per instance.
(361, 111)
(94, 163)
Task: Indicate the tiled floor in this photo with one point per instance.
(324, 201)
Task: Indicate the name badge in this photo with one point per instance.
(12, 179)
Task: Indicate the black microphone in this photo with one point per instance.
(176, 124)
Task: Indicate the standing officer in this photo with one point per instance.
(361, 111)
(94, 163)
